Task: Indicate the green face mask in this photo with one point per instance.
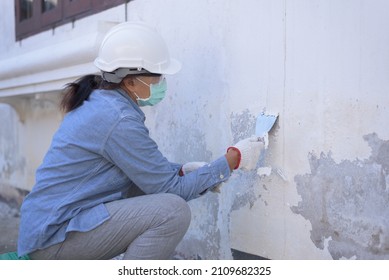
(157, 93)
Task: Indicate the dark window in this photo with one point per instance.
(25, 9)
(48, 5)
(34, 16)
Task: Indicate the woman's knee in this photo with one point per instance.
(178, 209)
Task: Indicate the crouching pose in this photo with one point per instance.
(104, 188)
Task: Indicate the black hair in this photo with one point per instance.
(76, 92)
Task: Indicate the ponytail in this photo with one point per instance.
(75, 93)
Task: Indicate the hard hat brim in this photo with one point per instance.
(173, 68)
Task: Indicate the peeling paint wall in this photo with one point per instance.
(347, 203)
(321, 191)
(323, 65)
(12, 161)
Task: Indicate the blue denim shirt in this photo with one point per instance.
(100, 150)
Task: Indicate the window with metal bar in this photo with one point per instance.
(34, 16)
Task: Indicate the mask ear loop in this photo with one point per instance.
(142, 82)
(162, 78)
(137, 97)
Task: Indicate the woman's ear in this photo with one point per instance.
(128, 83)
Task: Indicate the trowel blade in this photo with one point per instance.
(264, 123)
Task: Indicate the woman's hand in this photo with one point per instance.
(245, 153)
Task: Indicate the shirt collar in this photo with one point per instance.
(132, 102)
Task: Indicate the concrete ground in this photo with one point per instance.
(9, 225)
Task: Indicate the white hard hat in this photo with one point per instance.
(134, 48)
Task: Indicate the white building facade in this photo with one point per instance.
(322, 187)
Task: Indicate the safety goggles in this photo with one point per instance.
(161, 79)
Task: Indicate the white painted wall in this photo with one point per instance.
(324, 66)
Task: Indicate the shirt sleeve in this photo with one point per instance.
(176, 166)
(130, 148)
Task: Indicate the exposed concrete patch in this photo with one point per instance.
(242, 125)
(202, 240)
(244, 184)
(348, 203)
(12, 163)
(193, 147)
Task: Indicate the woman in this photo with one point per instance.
(104, 188)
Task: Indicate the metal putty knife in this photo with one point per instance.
(264, 123)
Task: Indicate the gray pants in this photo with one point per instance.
(142, 227)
